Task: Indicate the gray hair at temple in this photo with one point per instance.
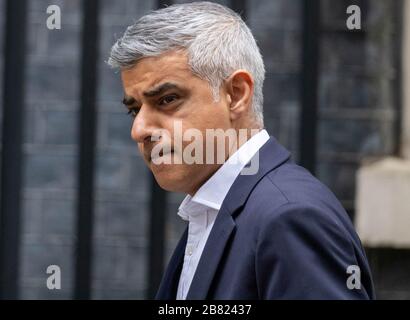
(217, 41)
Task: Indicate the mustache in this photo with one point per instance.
(163, 150)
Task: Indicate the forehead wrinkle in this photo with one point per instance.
(154, 70)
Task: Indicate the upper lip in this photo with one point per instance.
(161, 153)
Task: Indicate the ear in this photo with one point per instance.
(239, 88)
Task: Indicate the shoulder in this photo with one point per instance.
(291, 188)
(290, 199)
(298, 227)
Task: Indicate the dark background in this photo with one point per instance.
(74, 190)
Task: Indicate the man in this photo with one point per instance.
(259, 226)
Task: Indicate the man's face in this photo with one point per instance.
(162, 91)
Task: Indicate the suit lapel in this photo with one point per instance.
(169, 283)
(211, 256)
(271, 155)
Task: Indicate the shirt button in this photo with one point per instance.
(189, 251)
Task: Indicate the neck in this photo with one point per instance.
(240, 140)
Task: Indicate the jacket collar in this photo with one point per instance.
(213, 192)
(271, 155)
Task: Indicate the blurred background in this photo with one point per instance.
(76, 194)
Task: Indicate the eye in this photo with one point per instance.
(168, 99)
(133, 112)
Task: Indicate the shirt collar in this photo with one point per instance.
(213, 192)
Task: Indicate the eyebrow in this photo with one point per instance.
(160, 89)
(156, 91)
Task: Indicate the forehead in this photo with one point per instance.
(150, 71)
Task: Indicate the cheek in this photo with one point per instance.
(213, 115)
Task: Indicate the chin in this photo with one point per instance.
(171, 179)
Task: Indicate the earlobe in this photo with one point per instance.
(228, 97)
(233, 107)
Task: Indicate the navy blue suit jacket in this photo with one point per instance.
(280, 234)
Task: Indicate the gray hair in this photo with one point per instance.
(217, 41)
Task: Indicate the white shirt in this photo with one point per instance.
(201, 209)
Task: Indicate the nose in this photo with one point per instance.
(142, 127)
